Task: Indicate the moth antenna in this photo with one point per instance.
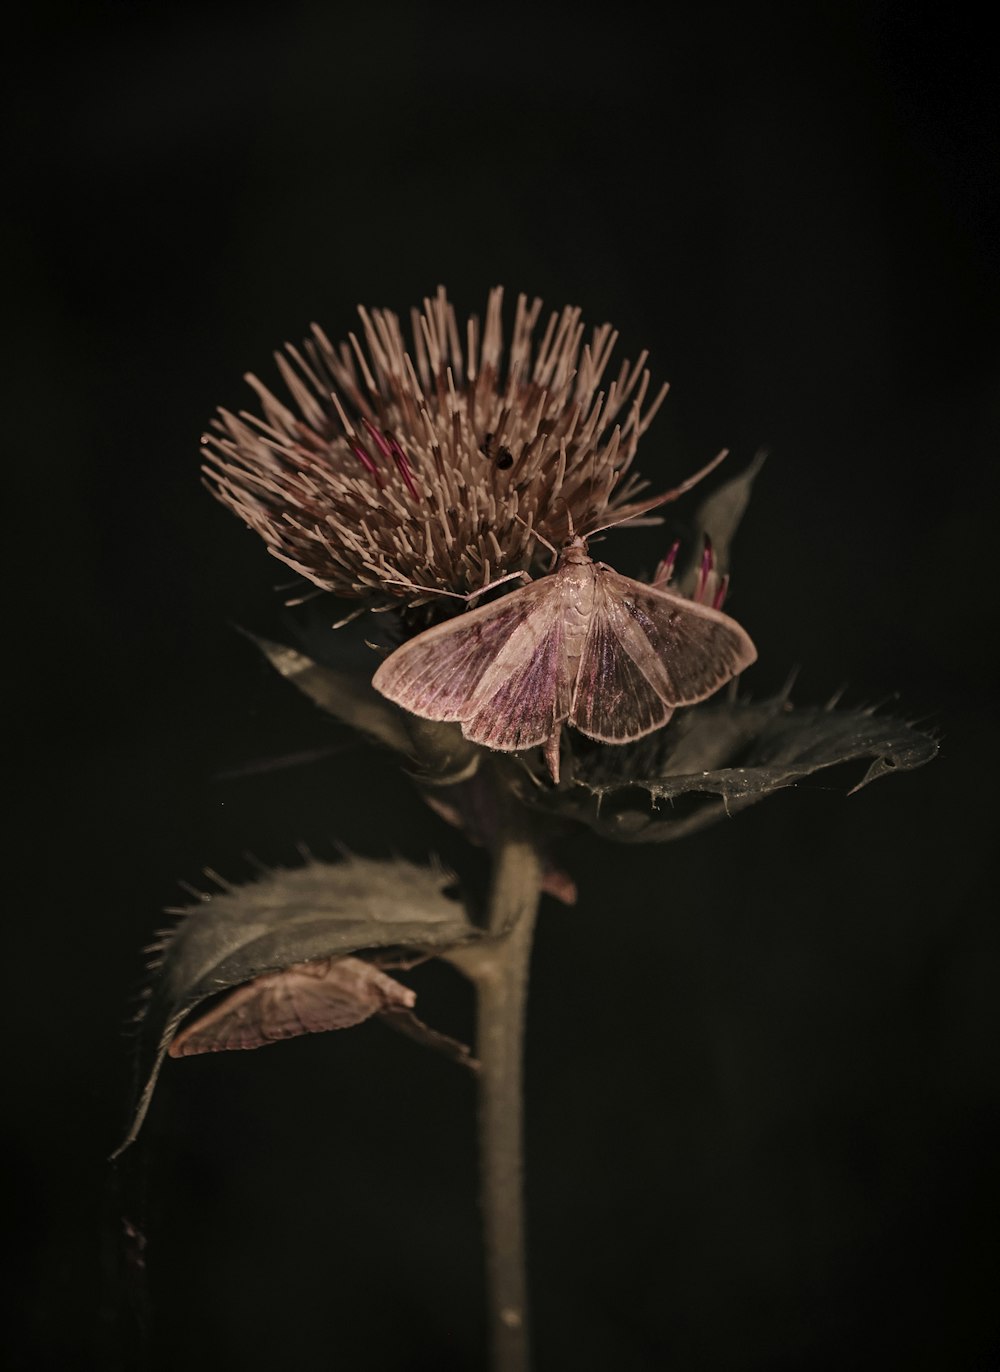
(462, 595)
(539, 537)
(640, 507)
(427, 590)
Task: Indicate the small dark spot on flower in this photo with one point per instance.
(501, 454)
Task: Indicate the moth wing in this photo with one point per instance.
(307, 998)
(500, 670)
(648, 651)
(528, 689)
(436, 675)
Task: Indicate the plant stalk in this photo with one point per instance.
(498, 967)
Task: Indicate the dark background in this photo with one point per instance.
(763, 1062)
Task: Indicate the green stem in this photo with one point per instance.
(498, 967)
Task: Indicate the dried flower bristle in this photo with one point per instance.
(407, 474)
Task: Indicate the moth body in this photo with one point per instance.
(577, 587)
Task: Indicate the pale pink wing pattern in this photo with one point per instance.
(648, 651)
(307, 998)
(528, 689)
(500, 670)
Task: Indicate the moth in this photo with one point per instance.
(582, 645)
(306, 998)
(309, 998)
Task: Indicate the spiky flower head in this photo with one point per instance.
(403, 472)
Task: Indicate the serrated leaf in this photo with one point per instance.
(716, 759)
(287, 917)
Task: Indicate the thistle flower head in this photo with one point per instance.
(397, 473)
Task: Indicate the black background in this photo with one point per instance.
(762, 1063)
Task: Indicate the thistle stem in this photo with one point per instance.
(501, 997)
(499, 969)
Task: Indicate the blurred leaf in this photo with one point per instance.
(348, 697)
(436, 750)
(471, 807)
(719, 517)
(714, 760)
(288, 917)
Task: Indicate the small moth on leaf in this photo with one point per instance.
(306, 998)
(582, 645)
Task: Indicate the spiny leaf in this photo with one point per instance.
(715, 759)
(288, 917)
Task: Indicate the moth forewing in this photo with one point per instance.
(527, 690)
(615, 699)
(705, 648)
(437, 674)
(647, 652)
